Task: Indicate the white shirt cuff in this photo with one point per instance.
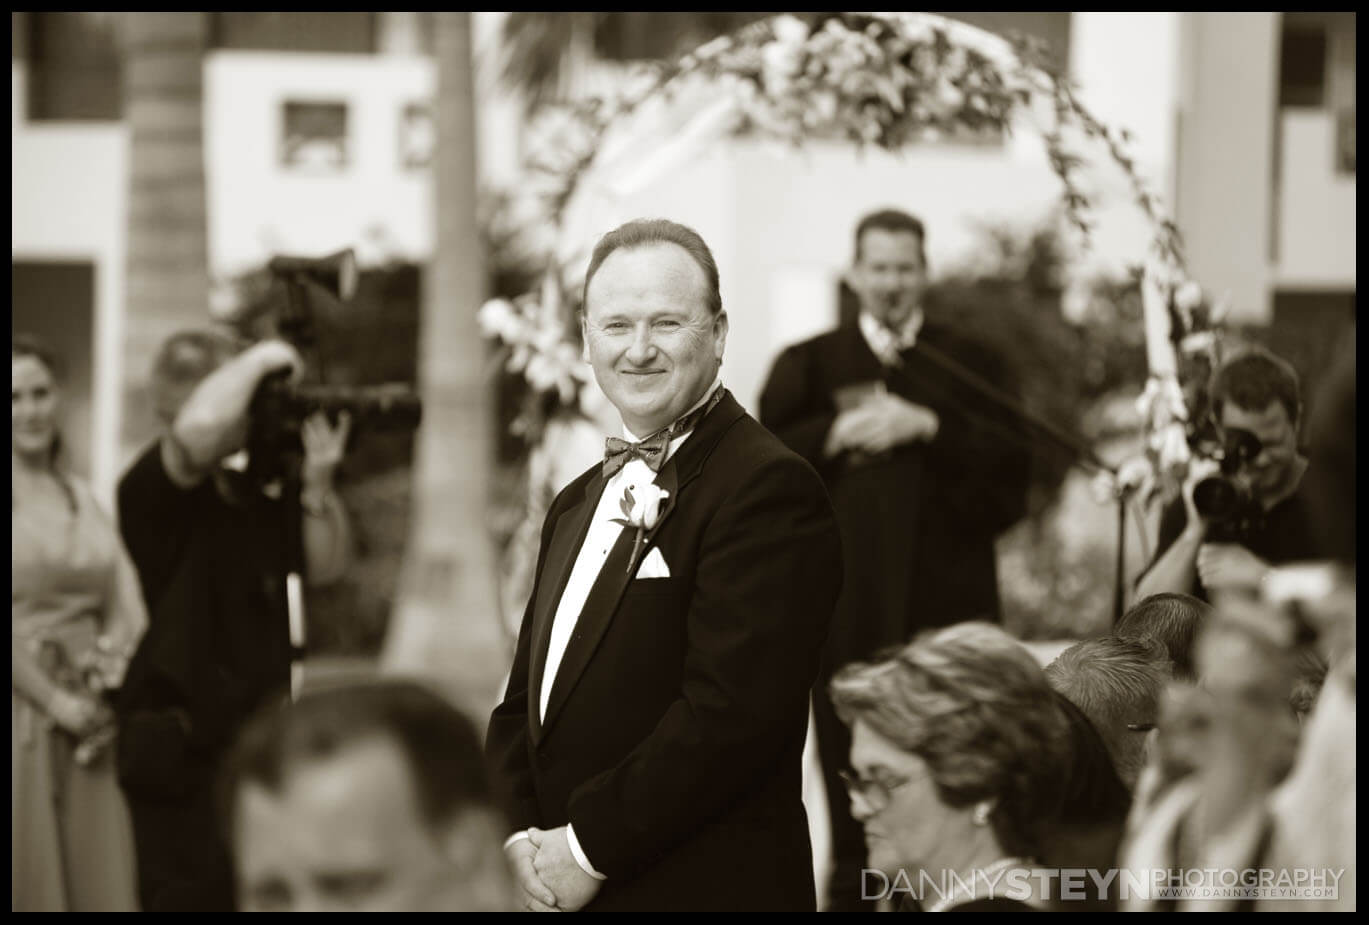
(579, 854)
(516, 836)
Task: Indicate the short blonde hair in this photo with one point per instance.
(183, 361)
(976, 707)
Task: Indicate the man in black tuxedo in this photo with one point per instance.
(924, 471)
(651, 735)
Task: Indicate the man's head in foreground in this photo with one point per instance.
(370, 796)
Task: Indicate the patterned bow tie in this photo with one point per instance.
(652, 450)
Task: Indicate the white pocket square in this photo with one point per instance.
(653, 566)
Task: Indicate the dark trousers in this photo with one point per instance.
(183, 863)
(848, 835)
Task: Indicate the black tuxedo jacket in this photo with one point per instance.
(676, 723)
(918, 523)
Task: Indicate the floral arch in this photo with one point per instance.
(882, 80)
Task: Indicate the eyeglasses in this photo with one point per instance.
(876, 793)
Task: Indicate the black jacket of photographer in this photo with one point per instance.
(210, 559)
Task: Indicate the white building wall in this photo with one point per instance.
(259, 208)
(68, 187)
(1316, 209)
(1126, 65)
(1229, 74)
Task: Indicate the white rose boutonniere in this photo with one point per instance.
(642, 511)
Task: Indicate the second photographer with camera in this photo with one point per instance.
(210, 546)
(1242, 515)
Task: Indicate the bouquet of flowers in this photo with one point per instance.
(532, 330)
(95, 675)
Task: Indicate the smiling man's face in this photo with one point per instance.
(654, 344)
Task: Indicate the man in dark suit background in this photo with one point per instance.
(651, 735)
(924, 471)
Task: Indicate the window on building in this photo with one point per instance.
(74, 67)
(314, 136)
(353, 33)
(1302, 64)
(1317, 71)
(417, 136)
(1345, 141)
(19, 33)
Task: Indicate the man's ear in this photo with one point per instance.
(584, 337)
(720, 334)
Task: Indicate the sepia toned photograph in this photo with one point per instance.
(683, 461)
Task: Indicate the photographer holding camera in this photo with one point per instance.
(1230, 530)
(210, 544)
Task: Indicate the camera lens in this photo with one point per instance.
(1216, 498)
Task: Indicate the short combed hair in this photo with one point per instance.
(183, 361)
(1171, 619)
(1252, 380)
(1094, 793)
(892, 220)
(975, 706)
(438, 743)
(1114, 681)
(647, 231)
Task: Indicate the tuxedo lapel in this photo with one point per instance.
(613, 579)
(566, 541)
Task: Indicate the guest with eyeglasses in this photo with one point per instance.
(959, 753)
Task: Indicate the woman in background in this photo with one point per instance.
(77, 614)
(959, 758)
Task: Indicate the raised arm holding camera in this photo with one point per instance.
(210, 546)
(1242, 515)
(213, 426)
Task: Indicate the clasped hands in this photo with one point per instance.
(549, 878)
(882, 422)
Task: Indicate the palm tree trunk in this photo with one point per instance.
(167, 263)
(446, 626)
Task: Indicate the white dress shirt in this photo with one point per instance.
(599, 540)
(886, 344)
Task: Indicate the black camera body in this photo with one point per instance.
(279, 410)
(1226, 500)
(279, 407)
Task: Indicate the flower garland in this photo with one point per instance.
(889, 80)
(1174, 405)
